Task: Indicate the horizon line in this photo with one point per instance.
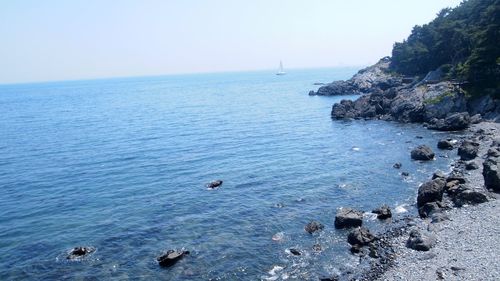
(167, 74)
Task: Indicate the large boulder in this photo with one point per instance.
(171, 257)
(428, 209)
(360, 236)
(347, 217)
(422, 152)
(313, 226)
(491, 173)
(468, 150)
(469, 197)
(420, 241)
(430, 191)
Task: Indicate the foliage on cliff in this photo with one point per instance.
(463, 41)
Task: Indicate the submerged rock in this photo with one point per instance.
(397, 165)
(214, 184)
(171, 257)
(422, 152)
(347, 217)
(313, 226)
(79, 252)
(295, 252)
(383, 212)
(420, 241)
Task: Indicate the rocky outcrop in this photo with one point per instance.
(347, 217)
(469, 197)
(313, 226)
(422, 152)
(171, 257)
(375, 77)
(453, 122)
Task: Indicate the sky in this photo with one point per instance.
(85, 39)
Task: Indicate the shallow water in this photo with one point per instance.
(121, 165)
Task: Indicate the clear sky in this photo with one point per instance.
(81, 39)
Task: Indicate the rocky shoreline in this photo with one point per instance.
(457, 222)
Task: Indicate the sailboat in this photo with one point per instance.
(280, 70)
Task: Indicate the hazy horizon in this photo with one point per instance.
(79, 40)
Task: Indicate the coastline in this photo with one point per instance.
(466, 237)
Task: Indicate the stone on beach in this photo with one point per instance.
(430, 191)
(383, 212)
(468, 150)
(446, 144)
(420, 241)
(360, 236)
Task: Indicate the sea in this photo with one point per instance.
(122, 165)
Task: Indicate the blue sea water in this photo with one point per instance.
(121, 164)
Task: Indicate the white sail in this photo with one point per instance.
(280, 70)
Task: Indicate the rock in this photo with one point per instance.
(469, 197)
(468, 150)
(171, 257)
(476, 119)
(360, 236)
(456, 175)
(493, 152)
(446, 144)
(422, 152)
(471, 166)
(491, 174)
(79, 252)
(405, 174)
(295, 252)
(356, 248)
(347, 217)
(454, 122)
(451, 187)
(438, 217)
(420, 242)
(317, 248)
(438, 174)
(313, 226)
(214, 184)
(397, 165)
(383, 212)
(429, 209)
(430, 191)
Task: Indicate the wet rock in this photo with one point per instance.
(446, 144)
(347, 217)
(360, 236)
(79, 252)
(171, 257)
(214, 184)
(491, 174)
(317, 248)
(295, 252)
(405, 174)
(397, 165)
(313, 226)
(471, 166)
(420, 241)
(383, 212)
(429, 209)
(468, 150)
(422, 152)
(438, 174)
(430, 191)
(469, 197)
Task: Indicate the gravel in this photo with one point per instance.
(468, 244)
